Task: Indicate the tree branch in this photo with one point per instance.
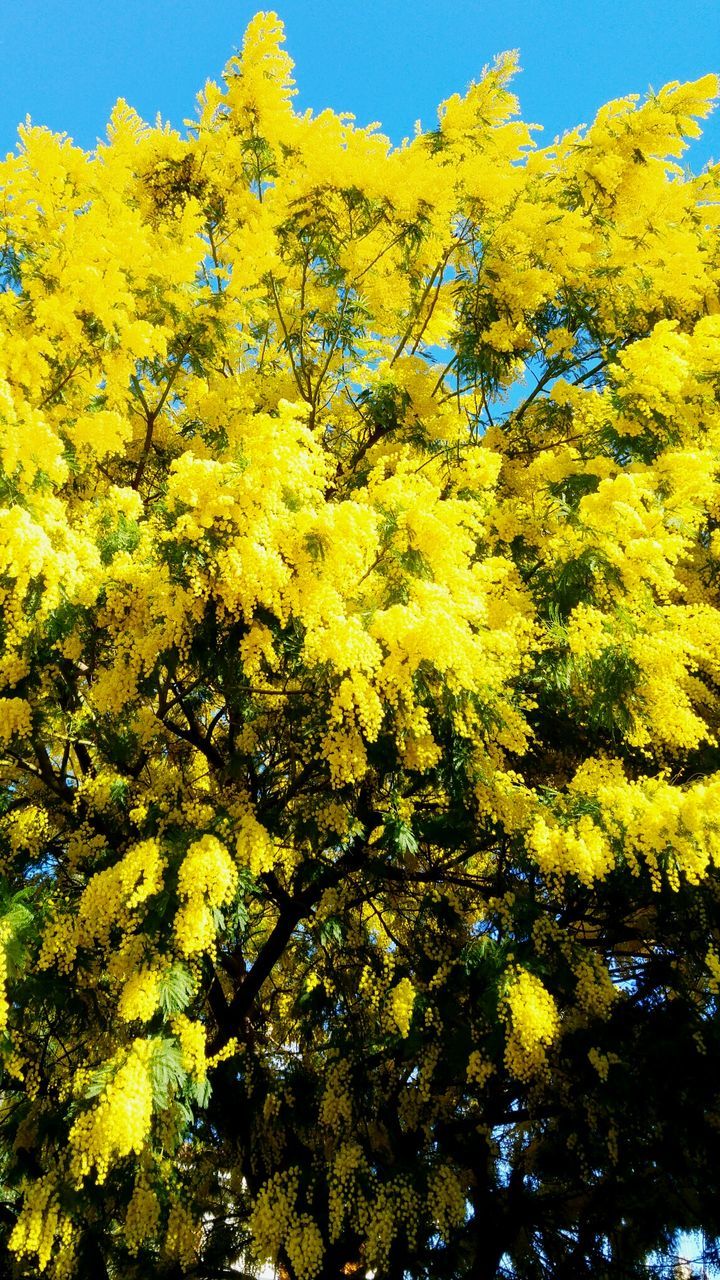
(296, 907)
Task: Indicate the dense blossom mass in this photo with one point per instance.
(359, 690)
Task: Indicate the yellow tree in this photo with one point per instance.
(359, 786)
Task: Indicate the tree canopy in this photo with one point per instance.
(359, 676)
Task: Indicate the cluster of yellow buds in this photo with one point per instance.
(479, 1069)
(183, 1236)
(119, 1122)
(276, 1223)
(533, 1024)
(446, 1200)
(206, 881)
(142, 1217)
(41, 1227)
(402, 1003)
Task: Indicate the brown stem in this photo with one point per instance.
(152, 415)
(296, 907)
(63, 383)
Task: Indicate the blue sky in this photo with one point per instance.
(65, 62)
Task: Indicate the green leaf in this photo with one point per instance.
(167, 1074)
(176, 989)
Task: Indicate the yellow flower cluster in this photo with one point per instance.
(192, 1037)
(382, 1210)
(342, 1189)
(119, 1123)
(305, 1247)
(26, 830)
(142, 1217)
(596, 991)
(254, 846)
(15, 718)
(112, 896)
(336, 1108)
(402, 1003)
(602, 1062)
(579, 849)
(533, 1024)
(206, 881)
(276, 1223)
(669, 828)
(111, 900)
(42, 1228)
(479, 1068)
(183, 1235)
(140, 996)
(446, 1200)
(4, 1001)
